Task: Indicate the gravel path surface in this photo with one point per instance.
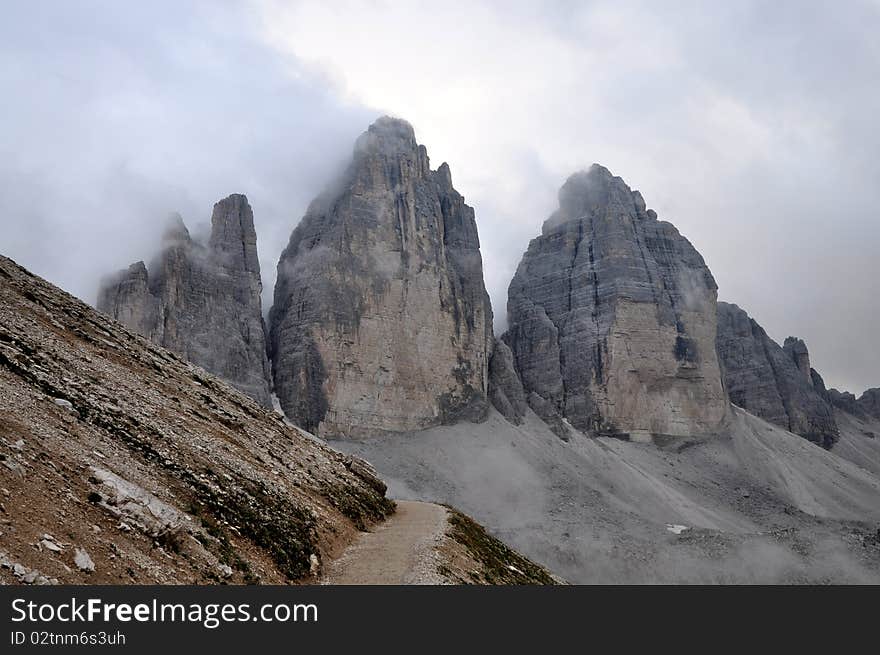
(403, 550)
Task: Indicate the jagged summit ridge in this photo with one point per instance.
(612, 318)
(201, 300)
(771, 381)
(868, 404)
(381, 320)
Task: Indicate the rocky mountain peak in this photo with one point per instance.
(175, 231)
(612, 318)
(797, 350)
(233, 237)
(593, 191)
(388, 152)
(202, 301)
(381, 320)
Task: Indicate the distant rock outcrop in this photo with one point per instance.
(381, 320)
(202, 300)
(773, 382)
(612, 318)
(846, 402)
(868, 404)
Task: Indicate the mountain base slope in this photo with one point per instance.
(755, 504)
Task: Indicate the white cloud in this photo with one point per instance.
(715, 112)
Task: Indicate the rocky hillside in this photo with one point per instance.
(612, 319)
(202, 300)
(774, 382)
(122, 463)
(381, 320)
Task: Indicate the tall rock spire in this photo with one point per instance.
(612, 318)
(381, 320)
(202, 301)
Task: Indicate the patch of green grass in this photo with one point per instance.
(362, 506)
(500, 564)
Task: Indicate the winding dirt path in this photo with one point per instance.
(403, 550)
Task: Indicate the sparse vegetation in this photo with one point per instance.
(500, 565)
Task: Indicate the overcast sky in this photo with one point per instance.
(753, 127)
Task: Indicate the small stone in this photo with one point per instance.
(18, 445)
(225, 570)
(125, 527)
(30, 577)
(83, 561)
(66, 404)
(51, 545)
(314, 564)
(13, 466)
(96, 529)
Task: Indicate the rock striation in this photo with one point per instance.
(612, 318)
(381, 320)
(202, 300)
(771, 381)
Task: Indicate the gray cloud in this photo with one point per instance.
(116, 115)
(751, 126)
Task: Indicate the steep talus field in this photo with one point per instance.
(755, 504)
(120, 462)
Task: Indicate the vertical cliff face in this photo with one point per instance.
(612, 318)
(773, 382)
(381, 320)
(202, 300)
